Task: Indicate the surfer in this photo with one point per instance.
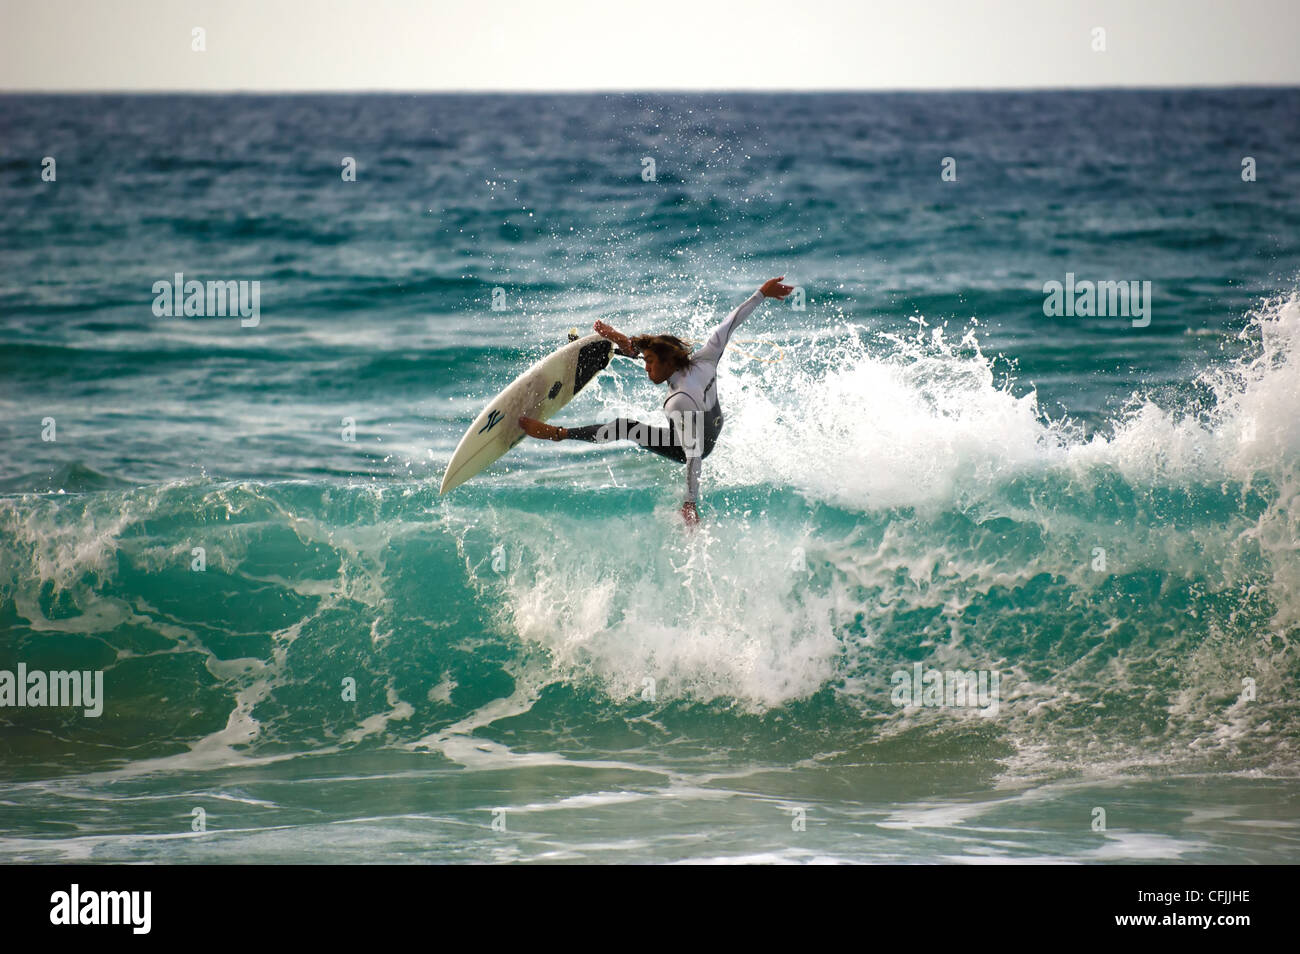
(694, 415)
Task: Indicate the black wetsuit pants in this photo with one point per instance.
(666, 441)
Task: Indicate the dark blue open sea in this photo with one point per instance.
(308, 655)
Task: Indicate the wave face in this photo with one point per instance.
(298, 636)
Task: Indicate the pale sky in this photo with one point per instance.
(644, 44)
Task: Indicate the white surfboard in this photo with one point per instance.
(539, 392)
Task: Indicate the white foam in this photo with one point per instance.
(655, 613)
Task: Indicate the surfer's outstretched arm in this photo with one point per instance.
(717, 343)
(687, 422)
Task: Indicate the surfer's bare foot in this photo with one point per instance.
(546, 432)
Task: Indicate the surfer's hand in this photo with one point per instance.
(545, 432)
(772, 288)
(688, 513)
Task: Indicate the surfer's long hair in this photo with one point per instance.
(669, 349)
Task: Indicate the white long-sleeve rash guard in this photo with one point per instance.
(693, 392)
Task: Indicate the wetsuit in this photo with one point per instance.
(694, 414)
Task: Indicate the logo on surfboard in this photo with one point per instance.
(555, 389)
(493, 420)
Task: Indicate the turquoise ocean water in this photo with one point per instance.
(919, 467)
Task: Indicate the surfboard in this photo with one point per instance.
(539, 392)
